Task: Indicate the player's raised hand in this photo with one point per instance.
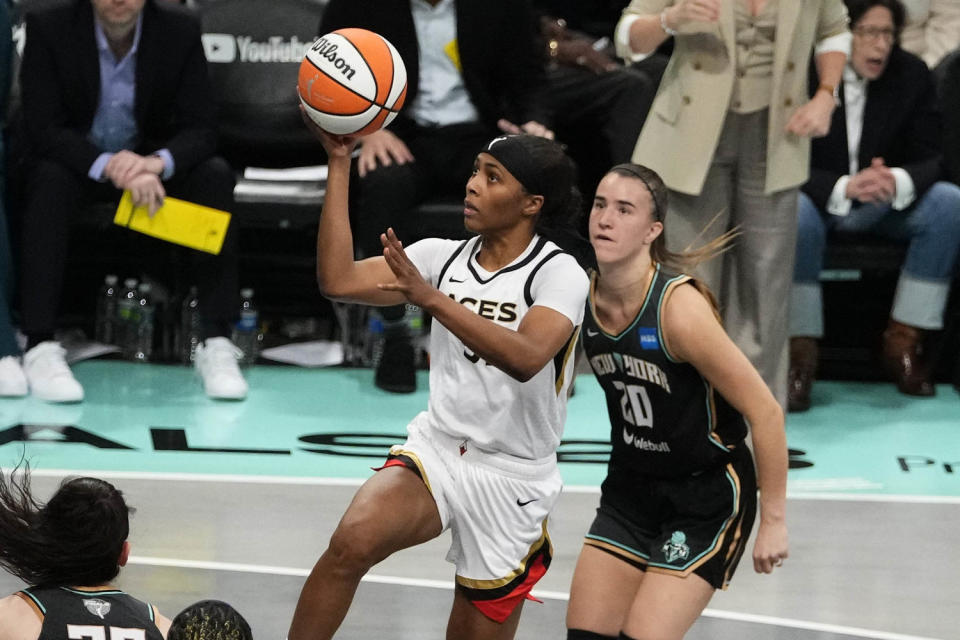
(409, 281)
(335, 146)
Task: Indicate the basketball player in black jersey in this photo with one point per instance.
(69, 549)
(680, 496)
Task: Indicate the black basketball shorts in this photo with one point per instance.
(694, 524)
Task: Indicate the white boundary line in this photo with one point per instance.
(356, 482)
(544, 595)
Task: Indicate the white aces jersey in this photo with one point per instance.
(475, 401)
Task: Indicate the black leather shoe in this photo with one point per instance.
(396, 372)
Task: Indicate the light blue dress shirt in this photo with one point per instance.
(114, 126)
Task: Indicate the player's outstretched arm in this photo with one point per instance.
(339, 276)
(693, 334)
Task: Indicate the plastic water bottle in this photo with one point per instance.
(246, 333)
(125, 328)
(143, 345)
(106, 322)
(190, 327)
(419, 335)
(373, 341)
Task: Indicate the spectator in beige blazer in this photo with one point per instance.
(730, 133)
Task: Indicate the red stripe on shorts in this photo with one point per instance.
(500, 609)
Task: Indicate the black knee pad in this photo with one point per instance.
(580, 634)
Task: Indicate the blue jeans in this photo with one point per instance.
(931, 226)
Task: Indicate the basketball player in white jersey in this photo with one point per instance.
(481, 460)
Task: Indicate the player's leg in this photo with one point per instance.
(393, 510)
(501, 545)
(666, 606)
(602, 592)
(467, 622)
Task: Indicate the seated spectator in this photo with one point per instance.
(950, 107)
(12, 380)
(70, 549)
(599, 105)
(116, 97)
(877, 172)
(931, 30)
(209, 620)
(464, 85)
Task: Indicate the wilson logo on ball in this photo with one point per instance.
(326, 49)
(352, 81)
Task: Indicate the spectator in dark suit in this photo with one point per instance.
(599, 104)
(12, 380)
(878, 172)
(473, 69)
(116, 97)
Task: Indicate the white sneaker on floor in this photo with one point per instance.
(48, 375)
(216, 361)
(12, 381)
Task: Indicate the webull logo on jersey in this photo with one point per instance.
(609, 363)
(97, 607)
(640, 442)
(224, 48)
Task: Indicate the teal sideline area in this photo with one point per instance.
(333, 423)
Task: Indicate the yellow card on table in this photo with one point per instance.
(178, 221)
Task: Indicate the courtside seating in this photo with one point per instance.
(254, 48)
(859, 279)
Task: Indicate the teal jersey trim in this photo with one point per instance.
(39, 604)
(640, 554)
(636, 318)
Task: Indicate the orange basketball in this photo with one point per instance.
(352, 81)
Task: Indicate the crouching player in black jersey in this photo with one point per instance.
(680, 495)
(69, 549)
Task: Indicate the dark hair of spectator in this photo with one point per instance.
(209, 620)
(856, 9)
(75, 539)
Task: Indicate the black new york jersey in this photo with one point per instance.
(102, 614)
(666, 420)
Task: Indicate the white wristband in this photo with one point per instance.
(663, 24)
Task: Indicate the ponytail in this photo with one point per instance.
(74, 539)
(690, 257)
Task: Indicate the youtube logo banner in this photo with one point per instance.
(219, 47)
